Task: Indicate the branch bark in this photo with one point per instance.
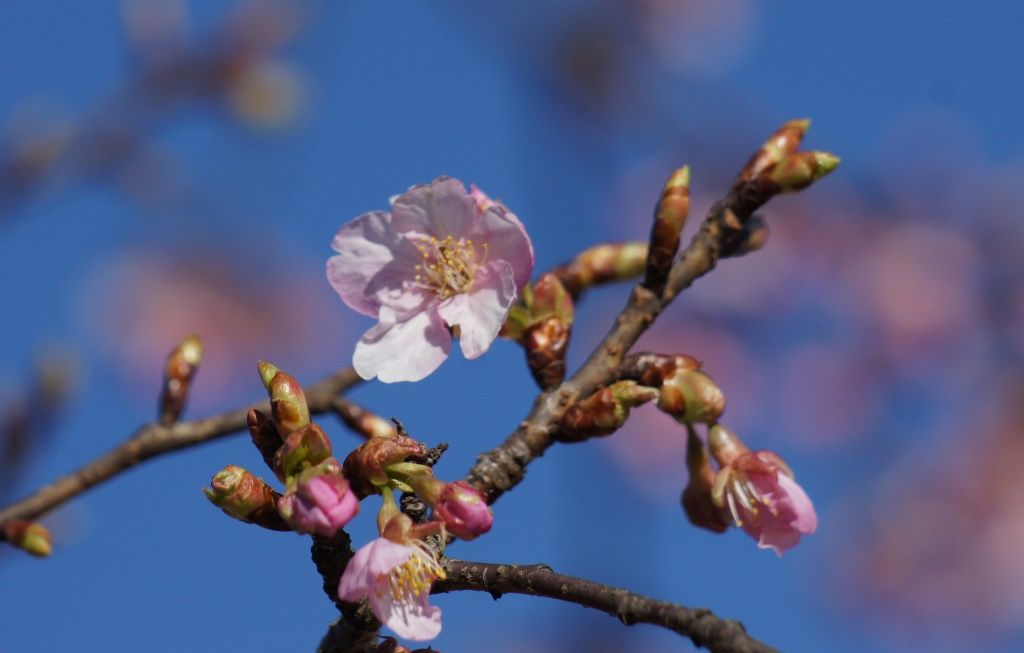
(153, 440)
(702, 627)
(499, 470)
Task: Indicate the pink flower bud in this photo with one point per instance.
(465, 513)
(320, 504)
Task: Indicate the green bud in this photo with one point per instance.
(604, 411)
(691, 396)
(29, 536)
(238, 493)
(669, 218)
(287, 401)
(801, 169)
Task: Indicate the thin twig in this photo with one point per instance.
(698, 624)
(497, 471)
(152, 440)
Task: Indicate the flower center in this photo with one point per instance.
(742, 491)
(448, 266)
(414, 576)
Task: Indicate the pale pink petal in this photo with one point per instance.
(506, 241)
(441, 208)
(411, 618)
(402, 351)
(774, 533)
(365, 246)
(371, 562)
(801, 514)
(480, 313)
(357, 581)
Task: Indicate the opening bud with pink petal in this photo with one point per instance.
(760, 493)
(319, 501)
(464, 511)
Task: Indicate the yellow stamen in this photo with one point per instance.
(449, 265)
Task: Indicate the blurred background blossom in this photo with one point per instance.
(169, 167)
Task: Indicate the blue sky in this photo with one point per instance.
(400, 93)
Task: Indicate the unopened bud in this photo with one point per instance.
(362, 421)
(365, 466)
(785, 141)
(538, 302)
(652, 369)
(245, 497)
(464, 511)
(319, 502)
(303, 448)
(29, 536)
(669, 218)
(287, 401)
(181, 367)
(604, 411)
(799, 170)
(697, 502)
(603, 264)
(264, 435)
(691, 396)
(545, 345)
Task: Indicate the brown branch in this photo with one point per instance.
(152, 440)
(502, 468)
(698, 624)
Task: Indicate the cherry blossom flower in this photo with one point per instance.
(396, 578)
(760, 493)
(442, 262)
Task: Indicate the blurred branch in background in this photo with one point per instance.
(28, 416)
(236, 69)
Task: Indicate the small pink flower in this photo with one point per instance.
(321, 505)
(465, 513)
(763, 499)
(439, 263)
(396, 578)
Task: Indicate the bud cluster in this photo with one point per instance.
(386, 463)
(317, 497)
